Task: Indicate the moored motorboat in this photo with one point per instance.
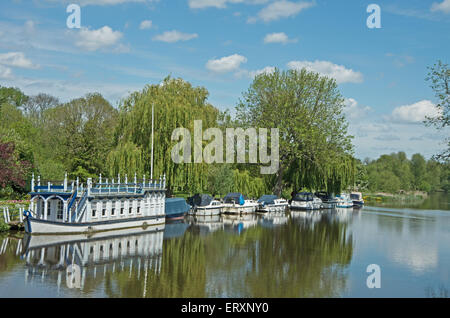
(328, 200)
(204, 205)
(271, 203)
(176, 208)
(306, 201)
(357, 198)
(236, 203)
(344, 201)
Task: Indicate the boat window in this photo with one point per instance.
(103, 212)
(94, 213)
(113, 211)
(59, 214)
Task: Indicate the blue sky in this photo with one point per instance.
(221, 44)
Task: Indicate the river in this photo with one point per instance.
(292, 254)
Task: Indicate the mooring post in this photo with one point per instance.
(8, 219)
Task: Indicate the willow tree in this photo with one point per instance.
(176, 104)
(307, 108)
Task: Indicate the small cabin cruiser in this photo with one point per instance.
(235, 203)
(357, 199)
(344, 201)
(272, 203)
(176, 208)
(204, 205)
(328, 200)
(306, 201)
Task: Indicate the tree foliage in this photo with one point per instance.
(307, 108)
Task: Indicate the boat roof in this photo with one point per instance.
(200, 200)
(268, 198)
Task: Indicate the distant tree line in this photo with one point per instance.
(395, 172)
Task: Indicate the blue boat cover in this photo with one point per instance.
(200, 200)
(234, 198)
(176, 206)
(267, 199)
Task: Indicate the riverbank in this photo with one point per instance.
(389, 197)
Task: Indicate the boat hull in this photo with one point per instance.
(36, 226)
(239, 209)
(272, 208)
(201, 211)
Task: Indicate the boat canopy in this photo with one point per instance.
(234, 198)
(267, 199)
(304, 196)
(200, 200)
(356, 196)
(176, 206)
(324, 196)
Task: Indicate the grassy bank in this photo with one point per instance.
(395, 197)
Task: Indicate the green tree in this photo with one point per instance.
(82, 131)
(439, 78)
(177, 104)
(315, 149)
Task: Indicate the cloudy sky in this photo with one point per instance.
(222, 44)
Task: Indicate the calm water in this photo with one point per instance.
(296, 254)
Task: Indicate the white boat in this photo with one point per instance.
(328, 200)
(357, 198)
(104, 206)
(204, 205)
(235, 203)
(344, 201)
(271, 203)
(306, 201)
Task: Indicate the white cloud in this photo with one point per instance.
(355, 111)
(280, 9)
(253, 74)
(226, 64)
(104, 2)
(16, 59)
(338, 72)
(278, 38)
(219, 4)
(93, 40)
(443, 6)
(146, 24)
(414, 113)
(175, 36)
(5, 72)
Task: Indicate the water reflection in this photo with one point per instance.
(292, 254)
(85, 262)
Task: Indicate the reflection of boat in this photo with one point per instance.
(176, 208)
(235, 203)
(328, 200)
(206, 224)
(80, 256)
(239, 223)
(344, 201)
(204, 205)
(271, 203)
(273, 219)
(175, 228)
(357, 199)
(306, 201)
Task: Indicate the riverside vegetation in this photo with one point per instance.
(88, 136)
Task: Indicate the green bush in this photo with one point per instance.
(3, 226)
